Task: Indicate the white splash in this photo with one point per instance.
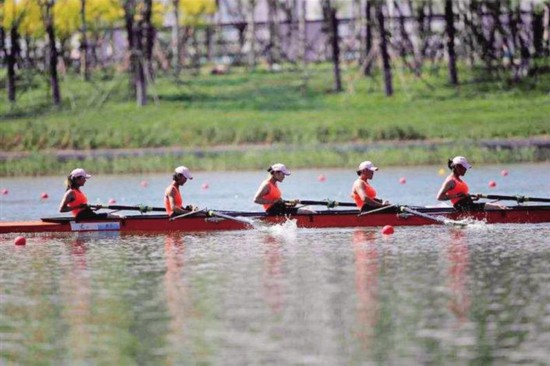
(286, 230)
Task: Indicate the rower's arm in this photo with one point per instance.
(67, 198)
(446, 187)
(170, 195)
(376, 202)
(262, 191)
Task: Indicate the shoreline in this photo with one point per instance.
(539, 143)
(257, 156)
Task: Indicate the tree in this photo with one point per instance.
(48, 17)
(331, 19)
(12, 14)
(368, 38)
(384, 49)
(450, 30)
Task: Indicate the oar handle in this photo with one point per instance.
(517, 198)
(140, 208)
(328, 203)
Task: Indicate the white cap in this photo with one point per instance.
(367, 165)
(279, 168)
(461, 160)
(184, 171)
(79, 172)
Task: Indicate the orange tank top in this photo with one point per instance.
(274, 194)
(79, 199)
(460, 187)
(369, 190)
(178, 202)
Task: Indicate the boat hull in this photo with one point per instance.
(323, 219)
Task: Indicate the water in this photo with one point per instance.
(278, 295)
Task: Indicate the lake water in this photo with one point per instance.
(282, 295)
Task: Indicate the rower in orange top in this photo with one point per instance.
(362, 192)
(76, 201)
(172, 197)
(456, 190)
(269, 194)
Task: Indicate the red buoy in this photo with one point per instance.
(504, 172)
(20, 240)
(205, 186)
(492, 184)
(403, 180)
(44, 196)
(4, 191)
(144, 184)
(387, 230)
(321, 178)
(112, 201)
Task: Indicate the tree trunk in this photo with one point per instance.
(302, 34)
(368, 38)
(50, 31)
(11, 57)
(129, 7)
(83, 43)
(252, 34)
(384, 50)
(450, 30)
(274, 52)
(140, 78)
(332, 21)
(546, 31)
(538, 30)
(176, 39)
(148, 30)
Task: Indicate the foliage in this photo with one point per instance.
(194, 11)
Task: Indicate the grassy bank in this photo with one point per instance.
(301, 157)
(271, 108)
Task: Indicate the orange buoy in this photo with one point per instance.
(112, 201)
(321, 178)
(504, 172)
(387, 230)
(20, 240)
(441, 171)
(44, 196)
(492, 184)
(205, 186)
(5, 191)
(403, 180)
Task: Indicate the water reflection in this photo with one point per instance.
(273, 273)
(76, 294)
(366, 283)
(458, 256)
(176, 291)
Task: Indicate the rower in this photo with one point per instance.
(269, 194)
(76, 201)
(362, 192)
(172, 197)
(456, 190)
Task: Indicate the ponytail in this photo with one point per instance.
(450, 164)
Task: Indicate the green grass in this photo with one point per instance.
(268, 108)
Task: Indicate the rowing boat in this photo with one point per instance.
(236, 220)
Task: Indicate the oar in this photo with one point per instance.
(140, 208)
(328, 203)
(433, 218)
(191, 213)
(377, 210)
(212, 213)
(517, 198)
